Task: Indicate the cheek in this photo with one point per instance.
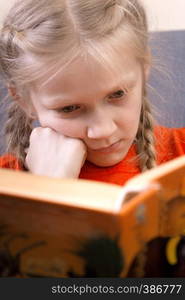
(129, 120)
(66, 127)
(134, 120)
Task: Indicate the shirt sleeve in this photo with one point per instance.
(170, 143)
(8, 161)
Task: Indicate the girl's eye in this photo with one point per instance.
(118, 94)
(69, 109)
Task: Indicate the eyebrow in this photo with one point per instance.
(58, 99)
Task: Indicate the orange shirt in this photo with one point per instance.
(170, 143)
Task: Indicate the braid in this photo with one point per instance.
(17, 131)
(145, 138)
(18, 126)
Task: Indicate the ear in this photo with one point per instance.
(147, 65)
(27, 107)
(147, 68)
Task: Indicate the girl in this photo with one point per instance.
(80, 68)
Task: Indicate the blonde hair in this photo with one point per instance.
(43, 33)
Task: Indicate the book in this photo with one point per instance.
(79, 228)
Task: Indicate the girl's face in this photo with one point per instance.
(87, 102)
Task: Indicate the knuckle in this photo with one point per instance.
(40, 131)
(47, 130)
(79, 144)
(34, 133)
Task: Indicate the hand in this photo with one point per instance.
(55, 155)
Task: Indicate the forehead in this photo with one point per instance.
(88, 75)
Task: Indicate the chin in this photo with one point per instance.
(108, 162)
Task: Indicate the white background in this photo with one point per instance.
(163, 14)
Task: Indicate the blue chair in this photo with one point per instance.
(168, 85)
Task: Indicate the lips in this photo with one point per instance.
(113, 147)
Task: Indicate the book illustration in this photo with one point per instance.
(10, 265)
(102, 256)
(79, 228)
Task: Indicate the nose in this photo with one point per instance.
(102, 126)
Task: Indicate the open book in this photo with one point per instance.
(79, 228)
